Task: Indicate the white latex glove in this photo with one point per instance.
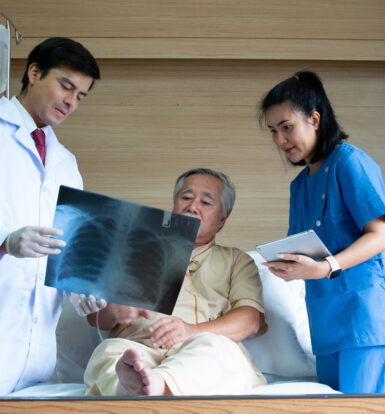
(32, 241)
(84, 306)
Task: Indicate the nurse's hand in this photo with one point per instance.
(33, 241)
(297, 266)
(86, 305)
(170, 330)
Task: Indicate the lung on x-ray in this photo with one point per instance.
(121, 251)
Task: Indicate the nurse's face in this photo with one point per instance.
(51, 99)
(294, 133)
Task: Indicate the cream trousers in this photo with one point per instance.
(205, 364)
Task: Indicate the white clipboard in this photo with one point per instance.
(306, 243)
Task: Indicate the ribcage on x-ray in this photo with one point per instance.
(89, 244)
(143, 256)
(120, 253)
(115, 253)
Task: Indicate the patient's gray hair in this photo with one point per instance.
(228, 193)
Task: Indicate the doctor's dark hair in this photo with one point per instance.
(305, 93)
(228, 193)
(61, 51)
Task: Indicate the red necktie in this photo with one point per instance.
(39, 136)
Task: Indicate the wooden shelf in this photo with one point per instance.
(248, 405)
(209, 48)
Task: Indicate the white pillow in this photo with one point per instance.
(285, 350)
(76, 339)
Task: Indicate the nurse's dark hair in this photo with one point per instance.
(304, 91)
(61, 52)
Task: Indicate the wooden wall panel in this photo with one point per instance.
(235, 48)
(242, 29)
(299, 19)
(147, 121)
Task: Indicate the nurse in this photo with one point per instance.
(340, 194)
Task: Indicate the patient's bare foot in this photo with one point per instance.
(136, 379)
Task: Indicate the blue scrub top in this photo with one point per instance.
(343, 195)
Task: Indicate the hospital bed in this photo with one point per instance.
(283, 354)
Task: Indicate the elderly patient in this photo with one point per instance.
(195, 351)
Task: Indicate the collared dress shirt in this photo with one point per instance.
(28, 192)
(343, 195)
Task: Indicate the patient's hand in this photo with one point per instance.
(169, 331)
(125, 314)
(115, 314)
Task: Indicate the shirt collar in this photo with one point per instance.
(27, 119)
(201, 249)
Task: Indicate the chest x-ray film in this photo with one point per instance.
(121, 251)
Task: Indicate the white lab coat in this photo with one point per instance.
(28, 192)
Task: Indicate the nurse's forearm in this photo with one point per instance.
(368, 245)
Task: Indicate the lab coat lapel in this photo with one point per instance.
(25, 139)
(10, 114)
(55, 152)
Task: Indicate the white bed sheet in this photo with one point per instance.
(286, 388)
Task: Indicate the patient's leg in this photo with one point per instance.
(209, 364)
(100, 377)
(137, 379)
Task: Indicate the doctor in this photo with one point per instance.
(59, 74)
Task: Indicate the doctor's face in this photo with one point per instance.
(200, 197)
(51, 99)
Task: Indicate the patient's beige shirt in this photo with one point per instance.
(218, 280)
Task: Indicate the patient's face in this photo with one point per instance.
(200, 196)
